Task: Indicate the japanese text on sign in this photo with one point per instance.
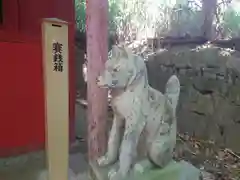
(57, 57)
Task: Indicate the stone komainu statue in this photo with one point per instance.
(139, 108)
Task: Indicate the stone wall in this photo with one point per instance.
(209, 104)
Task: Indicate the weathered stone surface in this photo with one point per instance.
(209, 105)
(137, 107)
(174, 171)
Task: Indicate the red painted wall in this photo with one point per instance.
(21, 98)
(21, 92)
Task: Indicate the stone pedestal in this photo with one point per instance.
(174, 171)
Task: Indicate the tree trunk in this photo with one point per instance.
(208, 9)
(97, 51)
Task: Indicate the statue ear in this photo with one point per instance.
(115, 51)
(126, 52)
(138, 70)
(121, 51)
(133, 73)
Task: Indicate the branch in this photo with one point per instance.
(226, 2)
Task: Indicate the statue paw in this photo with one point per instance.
(142, 166)
(103, 160)
(113, 174)
(138, 168)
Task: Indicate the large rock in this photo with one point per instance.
(209, 105)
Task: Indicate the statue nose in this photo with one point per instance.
(98, 79)
(114, 82)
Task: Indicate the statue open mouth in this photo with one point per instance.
(103, 86)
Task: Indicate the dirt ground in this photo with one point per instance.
(217, 162)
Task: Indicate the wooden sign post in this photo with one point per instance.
(55, 66)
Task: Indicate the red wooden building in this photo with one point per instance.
(21, 74)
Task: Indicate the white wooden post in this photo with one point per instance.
(55, 66)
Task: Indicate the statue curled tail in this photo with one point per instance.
(160, 152)
(172, 91)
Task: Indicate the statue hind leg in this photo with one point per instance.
(159, 155)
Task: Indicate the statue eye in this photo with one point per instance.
(116, 69)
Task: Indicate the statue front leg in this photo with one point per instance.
(128, 151)
(113, 143)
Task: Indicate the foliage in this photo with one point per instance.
(231, 23)
(114, 14)
(184, 19)
(80, 15)
(132, 19)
